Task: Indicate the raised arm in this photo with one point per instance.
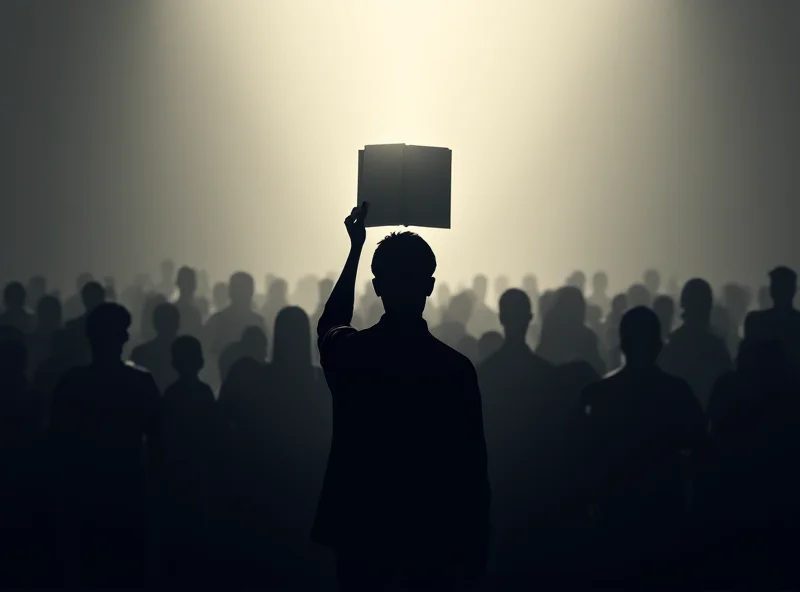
(339, 308)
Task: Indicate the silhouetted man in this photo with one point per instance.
(92, 296)
(693, 352)
(253, 345)
(406, 493)
(102, 416)
(482, 319)
(191, 319)
(641, 423)
(782, 321)
(48, 321)
(155, 356)
(15, 314)
(599, 296)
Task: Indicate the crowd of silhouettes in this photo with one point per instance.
(180, 432)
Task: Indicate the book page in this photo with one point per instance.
(380, 182)
(427, 175)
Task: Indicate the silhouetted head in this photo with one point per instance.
(278, 290)
(14, 297)
(220, 295)
(107, 328)
(697, 301)
(600, 282)
(577, 280)
(652, 281)
(48, 314)
(664, 307)
(292, 345)
(151, 302)
(82, 280)
(403, 266)
(37, 287)
(480, 287)
(443, 294)
(166, 320)
(488, 344)
(325, 289)
(187, 356)
(619, 305)
(782, 286)
(530, 284)
(459, 310)
(468, 346)
(515, 314)
(92, 296)
(253, 343)
(13, 354)
(638, 295)
(569, 307)
(187, 282)
(640, 337)
(241, 290)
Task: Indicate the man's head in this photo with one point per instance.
(403, 266)
(92, 296)
(782, 286)
(241, 289)
(166, 320)
(187, 356)
(107, 329)
(14, 296)
(515, 314)
(187, 282)
(480, 286)
(697, 300)
(600, 282)
(652, 280)
(640, 336)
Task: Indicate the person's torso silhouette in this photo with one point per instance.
(406, 490)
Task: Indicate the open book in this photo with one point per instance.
(405, 185)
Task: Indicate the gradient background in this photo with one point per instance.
(613, 134)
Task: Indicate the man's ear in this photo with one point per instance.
(429, 290)
(376, 286)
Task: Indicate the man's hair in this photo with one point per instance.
(403, 255)
(639, 327)
(109, 322)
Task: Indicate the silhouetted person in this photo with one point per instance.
(652, 281)
(693, 352)
(736, 300)
(166, 285)
(219, 297)
(102, 417)
(73, 306)
(190, 431)
(15, 315)
(50, 370)
(753, 495)
(226, 326)
(664, 307)
(468, 347)
(599, 296)
(110, 287)
(454, 320)
(253, 345)
(488, 344)
(48, 321)
(92, 296)
(518, 400)
(782, 321)
(577, 280)
(18, 429)
(407, 411)
(639, 295)
(565, 337)
(147, 329)
(191, 318)
(155, 356)
(642, 422)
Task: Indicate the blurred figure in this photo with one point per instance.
(639, 295)
(781, 322)
(48, 321)
(166, 285)
(577, 280)
(599, 297)
(155, 355)
(454, 320)
(15, 315)
(693, 352)
(652, 281)
(253, 345)
(488, 344)
(92, 296)
(191, 318)
(482, 318)
(664, 307)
